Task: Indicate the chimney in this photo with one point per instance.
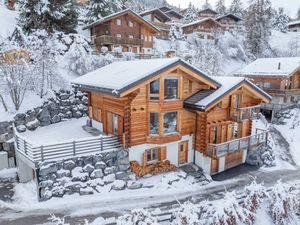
(279, 66)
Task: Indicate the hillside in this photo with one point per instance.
(8, 20)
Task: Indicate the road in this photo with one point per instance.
(238, 177)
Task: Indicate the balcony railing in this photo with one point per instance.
(244, 113)
(292, 91)
(107, 39)
(245, 143)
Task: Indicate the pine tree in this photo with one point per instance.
(236, 8)
(220, 7)
(51, 15)
(281, 21)
(175, 35)
(258, 26)
(206, 5)
(191, 14)
(98, 9)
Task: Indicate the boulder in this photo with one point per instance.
(44, 117)
(88, 168)
(63, 173)
(121, 175)
(100, 165)
(88, 160)
(109, 178)
(118, 185)
(58, 191)
(56, 119)
(46, 183)
(122, 154)
(21, 128)
(46, 194)
(69, 165)
(110, 155)
(110, 170)
(77, 114)
(47, 169)
(3, 137)
(132, 185)
(97, 173)
(32, 125)
(124, 161)
(79, 175)
(30, 116)
(124, 167)
(86, 191)
(64, 96)
(19, 119)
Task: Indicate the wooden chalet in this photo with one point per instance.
(230, 22)
(294, 26)
(166, 109)
(207, 13)
(124, 29)
(205, 28)
(280, 77)
(160, 20)
(173, 14)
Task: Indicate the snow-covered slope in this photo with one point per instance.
(8, 21)
(283, 42)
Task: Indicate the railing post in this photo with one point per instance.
(25, 147)
(42, 153)
(101, 141)
(74, 148)
(17, 141)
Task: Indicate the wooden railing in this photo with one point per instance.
(107, 39)
(292, 91)
(245, 143)
(62, 150)
(244, 113)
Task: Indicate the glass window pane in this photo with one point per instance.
(154, 90)
(170, 122)
(149, 155)
(171, 88)
(155, 154)
(154, 123)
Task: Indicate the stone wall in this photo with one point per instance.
(65, 105)
(85, 175)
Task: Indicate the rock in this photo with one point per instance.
(58, 191)
(132, 185)
(124, 161)
(32, 125)
(30, 116)
(85, 100)
(44, 117)
(132, 177)
(182, 174)
(121, 175)
(122, 154)
(46, 194)
(110, 155)
(3, 137)
(46, 183)
(97, 173)
(118, 185)
(173, 180)
(100, 165)
(124, 167)
(88, 160)
(110, 170)
(8, 146)
(97, 158)
(55, 119)
(19, 119)
(63, 173)
(72, 188)
(47, 169)
(79, 175)
(86, 191)
(3, 126)
(109, 178)
(69, 165)
(68, 114)
(88, 168)
(21, 128)
(77, 114)
(64, 96)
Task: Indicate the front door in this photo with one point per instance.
(183, 152)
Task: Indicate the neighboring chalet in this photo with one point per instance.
(160, 20)
(166, 109)
(207, 13)
(230, 22)
(124, 29)
(280, 77)
(174, 15)
(205, 28)
(294, 26)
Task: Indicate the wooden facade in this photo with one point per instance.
(126, 30)
(207, 13)
(230, 22)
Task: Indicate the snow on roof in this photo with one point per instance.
(271, 67)
(201, 21)
(229, 14)
(296, 22)
(155, 10)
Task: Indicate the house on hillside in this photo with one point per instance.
(294, 26)
(205, 28)
(160, 20)
(166, 109)
(124, 29)
(173, 14)
(230, 22)
(280, 77)
(207, 13)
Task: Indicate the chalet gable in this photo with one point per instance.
(230, 16)
(123, 77)
(156, 13)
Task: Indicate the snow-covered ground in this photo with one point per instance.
(8, 20)
(283, 42)
(55, 133)
(7, 173)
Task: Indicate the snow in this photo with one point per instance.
(8, 173)
(9, 23)
(283, 42)
(294, 22)
(270, 67)
(123, 73)
(60, 132)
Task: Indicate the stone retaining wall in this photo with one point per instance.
(85, 175)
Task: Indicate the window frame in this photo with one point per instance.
(156, 95)
(118, 22)
(164, 91)
(152, 151)
(163, 124)
(158, 124)
(130, 24)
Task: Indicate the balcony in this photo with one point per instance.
(107, 39)
(245, 143)
(244, 113)
(287, 92)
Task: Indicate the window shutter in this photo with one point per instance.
(163, 153)
(145, 158)
(91, 112)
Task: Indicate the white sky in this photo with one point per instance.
(290, 6)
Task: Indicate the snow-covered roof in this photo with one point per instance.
(122, 75)
(205, 98)
(167, 18)
(170, 12)
(111, 16)
(208, 9)
(271, 67)
(296, 22)
(201, 21)
(237, 18)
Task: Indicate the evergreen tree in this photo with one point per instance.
(258, 26)
(51, 15)
(206, 5)
(236, 8)
(98, 9)
(191, 14)
(175, 35)
(220, 7)
(281, 21)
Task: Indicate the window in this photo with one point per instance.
(150, 38)
(267, 85)
(142, 36)
(146, 38)
(119, 36)
(190, 86)
(171, 88)
(130, 23)
(170, 122)
(119, 22)
(152, 155)
(130, 36)
(154, 123)
(154, 90)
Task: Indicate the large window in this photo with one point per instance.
(171, 88)
(154, 90)
(170, 122)
(154, 123)
(152, 155)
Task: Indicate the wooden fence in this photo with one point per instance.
(57, 151)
